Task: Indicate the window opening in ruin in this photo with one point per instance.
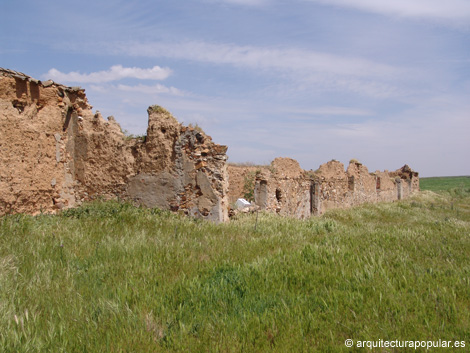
(278, 195)
(377, 186)
(163, 130)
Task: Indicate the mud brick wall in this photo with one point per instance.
(55, 152)
(284, 188)
(241, 182)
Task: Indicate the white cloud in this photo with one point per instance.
(116, 72)
(434, 9)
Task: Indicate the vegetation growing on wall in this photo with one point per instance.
(249, 186)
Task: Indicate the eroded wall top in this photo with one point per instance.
(283, 187)
(56, 152)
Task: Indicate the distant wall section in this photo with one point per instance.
(286, 189)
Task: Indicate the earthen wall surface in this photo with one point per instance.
(284, 188)
(55, 152)
(239, 176)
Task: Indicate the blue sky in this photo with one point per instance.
(385, 82)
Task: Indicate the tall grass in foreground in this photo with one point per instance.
(108, 277)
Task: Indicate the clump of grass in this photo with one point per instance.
(158, 109)
(196, 127)
(128, 136)
(112, 277)
(355, 161)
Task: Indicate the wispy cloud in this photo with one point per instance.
(142, 89)
(240, 2)
(115, 73)
(153, 89)
(329, 111)
(267, 58)
(308, 68)
(433, 9)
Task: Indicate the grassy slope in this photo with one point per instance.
(111, 277)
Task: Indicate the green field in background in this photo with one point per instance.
(445, 183)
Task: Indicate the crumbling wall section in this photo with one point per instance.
(180, 167)
(407, 181)
(334, 186)
(242, 181)
(56, 153)
(286, 189)
(386, 187)
(35, 173)
(99, 156)
(363, 185)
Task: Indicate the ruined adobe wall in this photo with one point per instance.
(286, 189)
(56, 153)
(386, 187)
(34, 162)
(407, 181)
(242, 181)
(283, 188)
(181, 168)
(355, 186)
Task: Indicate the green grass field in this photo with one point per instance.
(108, 277)
(439, 184)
